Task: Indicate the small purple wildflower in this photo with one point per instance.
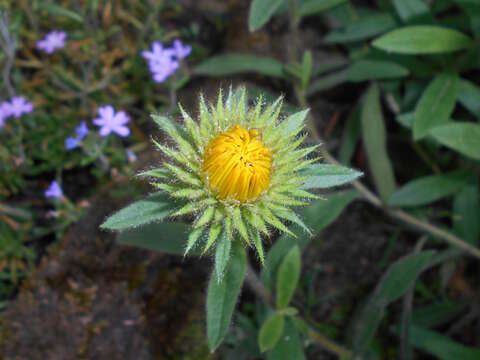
(54, 191)
(82, 130)
(158, 55)
(163, 62)
(161, 72)
(109, 121)
(4, 113)
(71, 143)
(53, 40)
(181, 51)
(18, 106)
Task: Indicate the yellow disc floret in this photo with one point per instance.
(237, 165)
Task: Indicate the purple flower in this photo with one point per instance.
(161, 72)
(162, 62)
(109, 121)
(52, 41)
(81, 130)
(54, 191)
(19, 106)
(181, 51)
(158, 55)
(71, 143)
(4, 113)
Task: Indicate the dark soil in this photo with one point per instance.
(91, 298)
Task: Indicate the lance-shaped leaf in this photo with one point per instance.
(399, 277)
(408, 9)
(261, 11)
(436, 105)
(466, 213)
(311, 7)
(321, 176)
(154, 208)
(222, 255)
(363, 70)
(289, 346)
(463, 137)
(270, 332)
(222, 296)
(375, 142)
(440, 346)
(228, 64)
(288, 276)
(427, 189)
(423, 39)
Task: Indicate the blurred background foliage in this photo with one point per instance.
(394, 91)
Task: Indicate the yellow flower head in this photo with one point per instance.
(237, 164)
(237, 169)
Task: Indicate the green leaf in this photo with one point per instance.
(436, 105)
(350, 136)
(363, 70)
(408, 9)
(261, 11)
(228, 64)
(57, 10)
(436, 313)
(294, 122)
(312, 7)
(374, 140)
(306, 68)
(154, 208)
(222, 254)
(401, 275)
(289, 346)
(222, 297)
(165, 237)
(270, 332)
(328, 81)
(466, 214)
(332, 63)
(463, 137)
(423, 39)
(362, 29)
(468, 94)
(394, 283)
(425, 190)
(441, 346)
(294, 70)
(288, 276)
(322, 176)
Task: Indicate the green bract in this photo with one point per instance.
(219, 221)
(184, 188)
